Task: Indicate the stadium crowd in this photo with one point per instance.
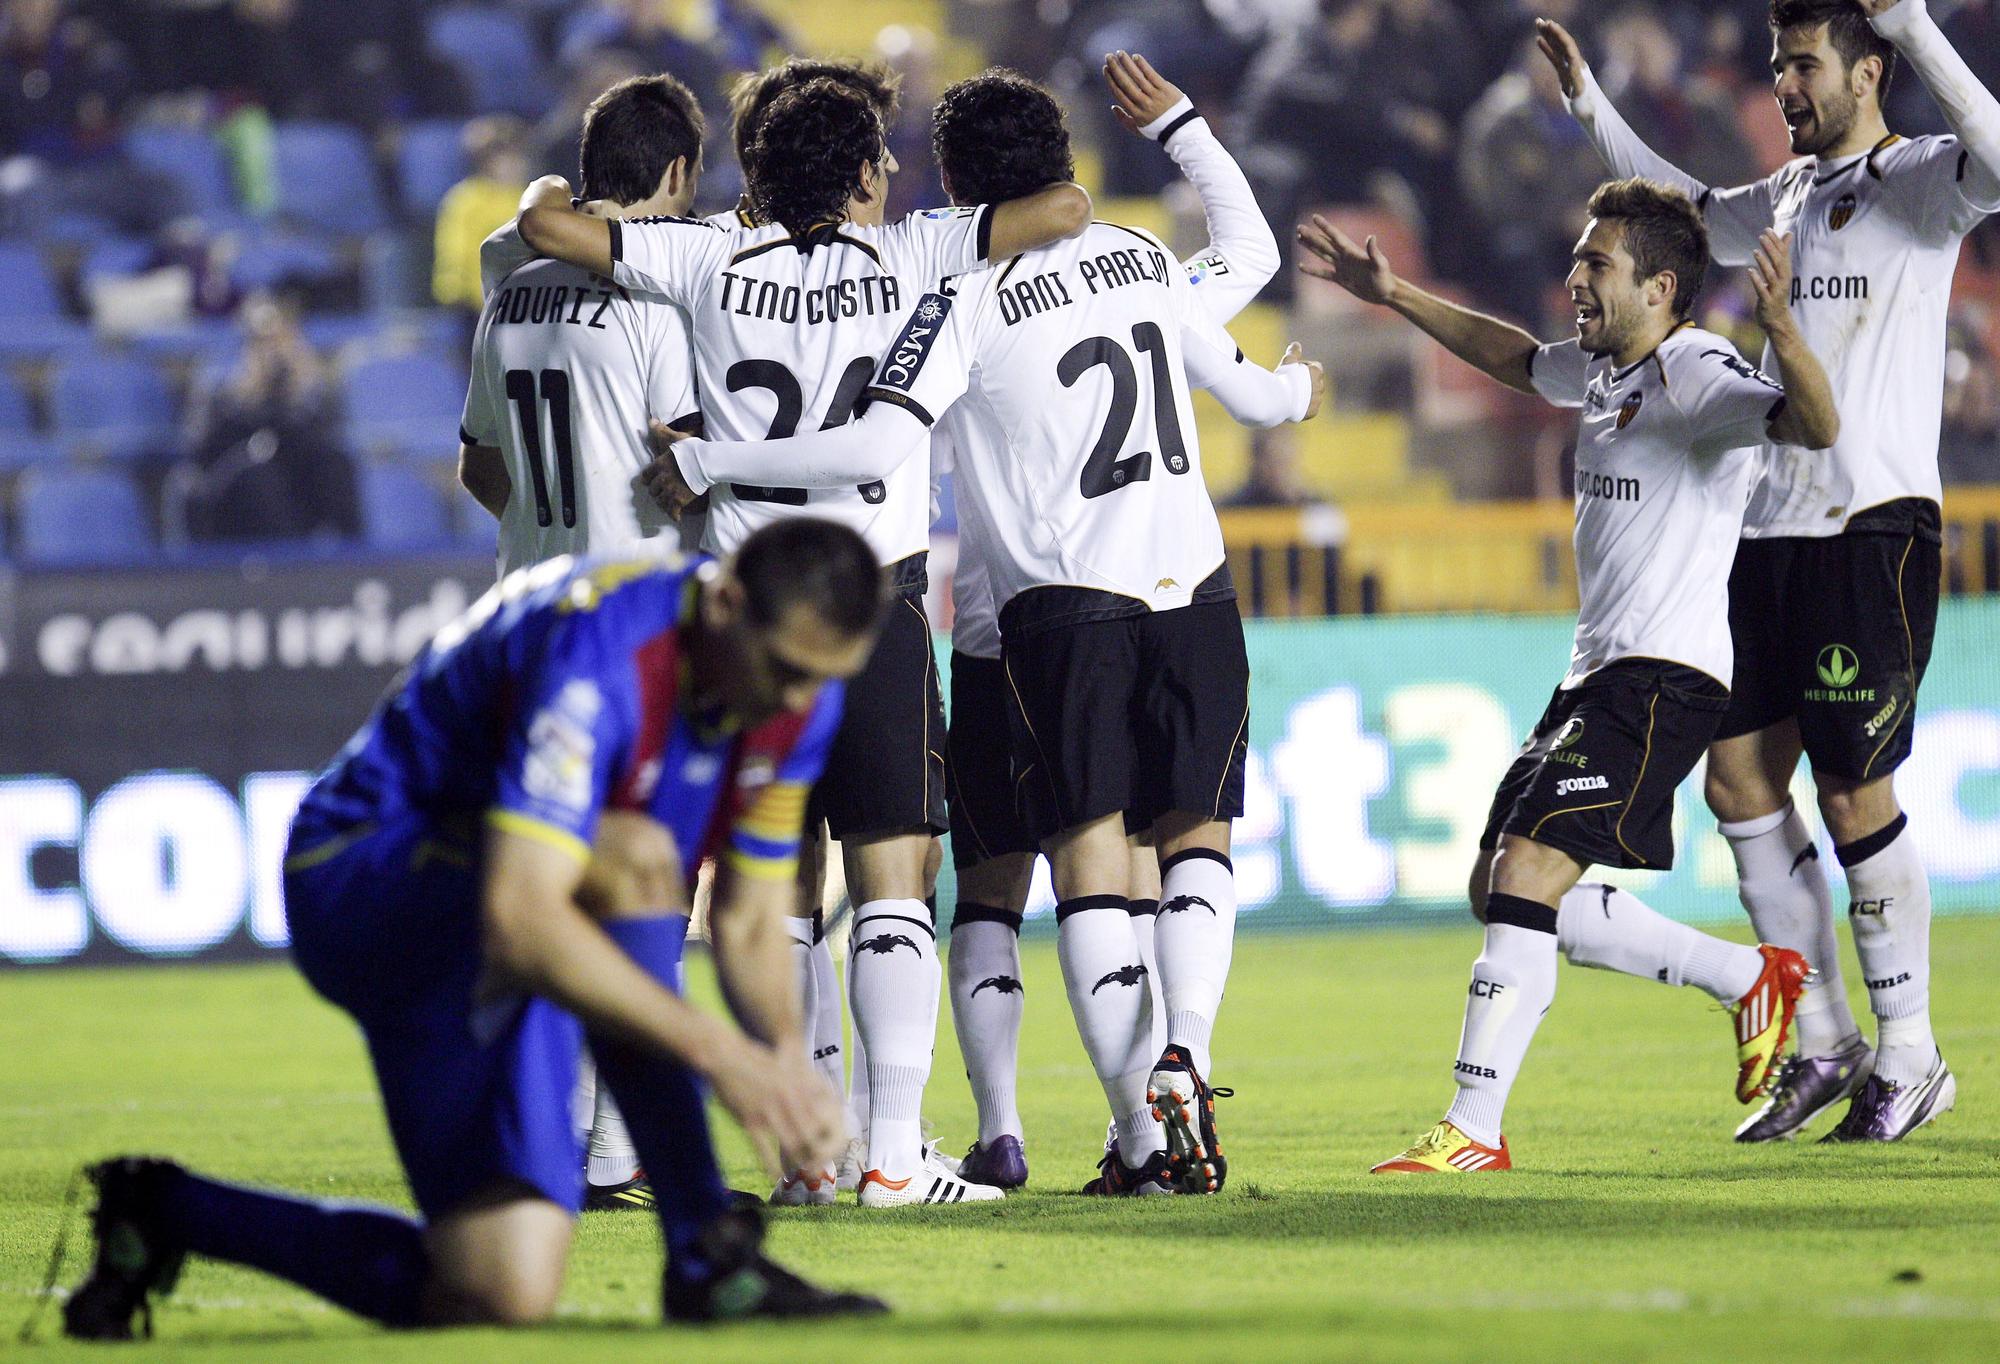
(238, 237)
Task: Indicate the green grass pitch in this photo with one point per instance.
(1634, 1228)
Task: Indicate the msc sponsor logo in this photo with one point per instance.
(1569, 786)
(1610, 487)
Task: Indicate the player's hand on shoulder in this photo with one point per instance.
(1143, 95)
(663, 479)
(1362, 270)
(1771, 281)
(1872, 8)
(550, 191)
(596, 208)
(1563, 54)
(1295, 355)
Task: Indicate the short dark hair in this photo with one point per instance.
(752, 95)
(1662, 231)
(632, 133)
(806, 156)
(998, 136)
(819, 564)
(1847, 28)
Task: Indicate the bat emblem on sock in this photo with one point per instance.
(1124, 975)
(1809, 853)
(1006, 985)
(888, 942)
(1181, 902)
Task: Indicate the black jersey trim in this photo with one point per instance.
(691, 422)
(1190, 116)
(1620, 376)
(1891, 140)
(983, 241)
(1145, 237)
(875, 393)
(465, 437)
(1963, 158)
(617, 239)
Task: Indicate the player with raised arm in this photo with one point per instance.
(789, 321)
(441, 887)
(1670, 417)
(1126, 675)
(1835, 588)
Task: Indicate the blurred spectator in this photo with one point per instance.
(496, 146)
(556, 144)
(1680, 115)
(1527, 171)
(1274, 479)
(1969, 450)
(267, 457)
(911, 53)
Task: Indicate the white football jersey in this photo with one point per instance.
(788, 331)
(1073, 447)
(1875, 242)
(1664, 458)
(567, 369)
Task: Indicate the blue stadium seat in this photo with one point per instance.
(117, 255)
(113, 399)
(431, 161)
(494, 53)
(26, 291)
(406, 402)
(400, 509)
(266, 260)
(326, 178)
(189, 157)
(16, 413)
(19, 445)
(73, 514)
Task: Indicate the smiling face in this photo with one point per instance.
(1818, 93)
(1613, 306)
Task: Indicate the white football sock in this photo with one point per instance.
(1145, 921)
(1612, 930)
(895, 1000)
(583, 1099)
(1889, 910)
(1106, 983)
(984, 970)
(823, 1023)
(801, 933)
(1193, 939)
(1783, 885)
(1513, 985)
(612, 1157)
(857, 1059)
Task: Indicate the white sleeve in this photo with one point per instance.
(480, 423)
(1728, 402)
(1253, 395)
(1242, 253)
(501, 254)
(670, 394)
(940, 242)
(1560, 372)
(674, 258)
(1968, 106)
(1735, 217)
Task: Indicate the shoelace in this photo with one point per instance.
(1787, 1081)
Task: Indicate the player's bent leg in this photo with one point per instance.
(1194, 942)
(984, 972)
(1479, 883)
(1513, 985)
(497, 1259)
(1889, 911)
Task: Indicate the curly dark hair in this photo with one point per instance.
(805, 160)
(752, 94)
(998, 136)
(1847, 28)
(633, 132)
(1663, 231)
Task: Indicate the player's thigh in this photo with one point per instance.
(1750, 775)
(499, 1257)
(1869, 632)
(1071, 690)
(1766, 673)
(885, 768)
(986, 826)
(1091, 858)
(998, 882)
(1480, 882)
(1534, 871)
(1194, 709)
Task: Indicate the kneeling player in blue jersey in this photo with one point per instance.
(470, 880)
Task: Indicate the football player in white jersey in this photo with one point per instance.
(1664, 457)
(1124, 661)
(789, 321)
(992, 851)
(1834, 593)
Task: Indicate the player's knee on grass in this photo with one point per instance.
(1533, 871)
(497, 1261)
(635, 870)
(1855, 809)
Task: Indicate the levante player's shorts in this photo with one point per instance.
(1597, 777)
(1837, 632)
(385, 924)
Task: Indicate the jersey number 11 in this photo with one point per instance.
(554, 392)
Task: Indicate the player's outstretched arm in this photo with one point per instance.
(1499, 349)
(1968, 106)
(872, 446)
(1810, 416)
(1249, 393)
(1150, 106)
(1035, 220)
(482, 471)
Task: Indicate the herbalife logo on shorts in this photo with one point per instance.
(1838, 666)
(1566, 737)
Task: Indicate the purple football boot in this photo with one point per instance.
(1000, 1162)
(1887, 1111)
(1805, 1087)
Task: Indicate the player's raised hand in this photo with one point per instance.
(1361, 270)
(1143, 94)
(1771, 280)
(1564, 55)
(1871, 8)
(663, 479)
(1295, 355)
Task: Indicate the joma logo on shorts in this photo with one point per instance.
(1571, 785)
(1879, 719)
